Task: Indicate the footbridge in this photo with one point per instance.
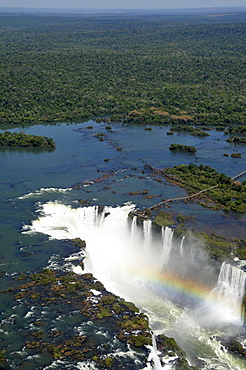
(166, 201)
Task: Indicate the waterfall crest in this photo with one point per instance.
(121, 249)
(162, 274)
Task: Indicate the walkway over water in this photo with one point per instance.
(162, 172)
(239, 175)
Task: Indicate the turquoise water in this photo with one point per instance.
(83, 168)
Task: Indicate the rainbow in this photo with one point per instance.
(179, 285)
(194, 291)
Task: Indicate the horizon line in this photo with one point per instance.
(125, 9)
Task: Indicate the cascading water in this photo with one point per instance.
(231, 287)
(167, 235)
(152, 272)
(134, 225)
(147, 232)
(181, 249)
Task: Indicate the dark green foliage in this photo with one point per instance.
(184, 218)
(182, 364)
(190, 129)
(242, 256)
(228, 195)
(236, 155)
(220, 248)
(57, 67)
(23, 140)
(237, 140)
(3, 361)
(236, 129)
(169, 344)
(164, 219)
(46, 277)
(182, 148)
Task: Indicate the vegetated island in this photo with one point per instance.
(213, 189)
(182, 148)
(21, 139)
(236, 140)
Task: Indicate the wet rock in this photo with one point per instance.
(234, 346)
(80, 299)
(79, 243)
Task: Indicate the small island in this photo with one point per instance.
(21, 139)
(237, 140)
(190, 130)
(182, 148)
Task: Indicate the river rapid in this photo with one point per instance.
(47, 197)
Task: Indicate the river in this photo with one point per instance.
(43, 193)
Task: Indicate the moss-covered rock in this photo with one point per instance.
(234, 346)
(164, 219)
(79, 243)
(3, 361)
(221, 248)
(182, 364)
(185, 218)
(84, 296)
(168, 345)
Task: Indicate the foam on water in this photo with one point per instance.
(154, 274)
(44, 191)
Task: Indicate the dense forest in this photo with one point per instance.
(22, 139)
(69, 67)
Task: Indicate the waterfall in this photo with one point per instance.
(134, 225)
(167, 239)
(147, 231)
(153, 356)
(231, 287)
(168, 285)
(181, 248)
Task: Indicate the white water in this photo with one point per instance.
(167, 235)
(182, 246)
(231, 286)
(128, 260)
(147, 233)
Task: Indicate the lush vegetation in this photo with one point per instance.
(228, 194)
(241, 129)
(155, 115)
(190, 129)
(67, 67)
(182, 148)
(236, 155)
(169, 347)
(236, 140)
(24, 140)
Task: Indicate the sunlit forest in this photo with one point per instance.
(70, 67)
